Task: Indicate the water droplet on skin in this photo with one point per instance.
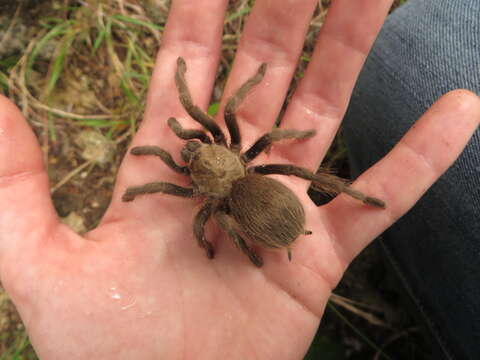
(309, 112)
(123, 298)
(114, 294)
(128, 306)
(1, 131)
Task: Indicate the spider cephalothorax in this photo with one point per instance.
(244, 202)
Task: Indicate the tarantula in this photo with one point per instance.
(244, 202)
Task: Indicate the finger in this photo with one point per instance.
(27, 213)
(405, 173)
(322, 96)
(274, 35)
(193, 31)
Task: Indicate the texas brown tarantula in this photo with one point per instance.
(244, 202)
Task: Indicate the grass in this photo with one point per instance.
(84, 75)
(20, 349)
(14, 342)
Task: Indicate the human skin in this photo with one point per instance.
(138, 286)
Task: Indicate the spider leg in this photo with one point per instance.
(321, 181)
(194, 111)
(155, 187)
(275, 135)
(228, 225)
(163, 155)
(187, 134)
(232, 104)
(199, 228)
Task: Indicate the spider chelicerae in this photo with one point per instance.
(245, 203)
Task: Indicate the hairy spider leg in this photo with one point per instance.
(199, 228)
(163, 155)
(266, 140)
(228, 225)
(158, 187)
(194, 111)
(187, 134)
(232, 104)
(322, 181)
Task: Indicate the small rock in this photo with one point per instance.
(95, 147)
(75, 222)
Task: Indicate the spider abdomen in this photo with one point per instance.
(267, 211)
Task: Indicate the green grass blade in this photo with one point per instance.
(138, 76)
(56, 31)
(139, 61)
(59, 62)
(238, 14)
(102, 123)
(99, 39)
(19, 349)
(9, 62)
(132, 98)
(128, 19)
(213, 109)
(305, 58)
(50, 22)
(3, 82)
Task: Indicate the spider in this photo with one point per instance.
(244, 203)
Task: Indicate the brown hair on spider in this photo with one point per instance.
(244, 202)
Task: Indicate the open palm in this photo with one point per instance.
(138, 287)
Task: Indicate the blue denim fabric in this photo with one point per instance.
(425, 49)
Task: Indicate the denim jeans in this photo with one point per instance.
(425, 49)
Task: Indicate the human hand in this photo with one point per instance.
(138, 286)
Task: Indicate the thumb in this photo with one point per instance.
(26, 210)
